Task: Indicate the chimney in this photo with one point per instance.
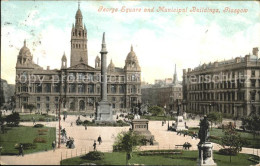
(255, 51)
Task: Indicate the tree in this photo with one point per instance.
(30, 107)
(214, 117)
(156, 111)
(252, 123)
(127, 142)
(232, 142)
(13, 119)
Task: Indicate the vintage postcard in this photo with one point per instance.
(130, 83)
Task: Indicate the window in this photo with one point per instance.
(113, 105)
(38, 88)
(47, 98)
(56, 99)
(121, 105)
(81, 88)
(56, 106)
(252, 83)
(72, 76)
(90, 101)
(72, 88)
(38, 98)
(253, 73)
(113, 99)
(113, 88)
(38, 106)
(48, 88)
(80, 76)
(90, 88)
(121, 89)
(47, 106)
(56, 88)
(122, 99)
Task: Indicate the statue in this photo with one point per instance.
(204, 130)
(179, 112)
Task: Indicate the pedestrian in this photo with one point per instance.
(21, 149)
(162, 123)
(64, 118)
(53, 145)
(86, 127)
(71, 124)
(94, 145)
(99, 140)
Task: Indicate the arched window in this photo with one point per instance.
(79, 45)
(73, 45)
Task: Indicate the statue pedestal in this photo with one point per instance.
(180, 125)
(104, 113)
(206, 154)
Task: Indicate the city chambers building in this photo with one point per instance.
(78, 87)
(231, 87)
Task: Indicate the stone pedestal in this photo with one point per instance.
(104, 113)
(180, 124)
(206, 154)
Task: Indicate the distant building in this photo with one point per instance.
(163, 93)
(78, 84)
(231, 86)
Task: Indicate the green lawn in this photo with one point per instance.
(187, 158)
(22, 134)
(37, 117)
(156, 118)
(252, 142)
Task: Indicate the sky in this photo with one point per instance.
(160, 39)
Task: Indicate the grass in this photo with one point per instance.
(156, 118)
(187, 158)
(37, 117)
(22, 134)
(252, 142)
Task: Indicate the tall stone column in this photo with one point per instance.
(103, 53)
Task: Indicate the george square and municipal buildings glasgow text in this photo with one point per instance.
(79, 86)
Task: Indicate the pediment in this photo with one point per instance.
(82, 66)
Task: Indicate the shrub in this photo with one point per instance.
(41, 133)
(38, 125)
(94, 155)
(39, 140)
(79, 122)
(214, 137)
(41, 119)
(227, 152)
(26, 146)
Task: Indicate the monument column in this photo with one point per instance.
(103, 53)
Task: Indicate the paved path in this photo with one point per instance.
(84, 140)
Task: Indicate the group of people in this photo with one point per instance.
(95, 144)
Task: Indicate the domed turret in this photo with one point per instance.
(25, 56)
(131, 62)
(24, 51)
(131, 55)
(111, 66)
(64, 61)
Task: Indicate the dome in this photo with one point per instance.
(78, 14)
(24, 51)
(131, 55)
(111, 66)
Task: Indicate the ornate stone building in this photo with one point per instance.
(163, 94)
(79, 84)
(231, 87)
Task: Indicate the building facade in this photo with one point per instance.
(163, 93)
(231, 87)
(79, 86)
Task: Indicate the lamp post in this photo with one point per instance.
(60, 102)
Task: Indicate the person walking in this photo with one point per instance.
(53, 145)
(86, 127)
(21, 150)
(99, 140)
(94, 145)
(71, 124)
